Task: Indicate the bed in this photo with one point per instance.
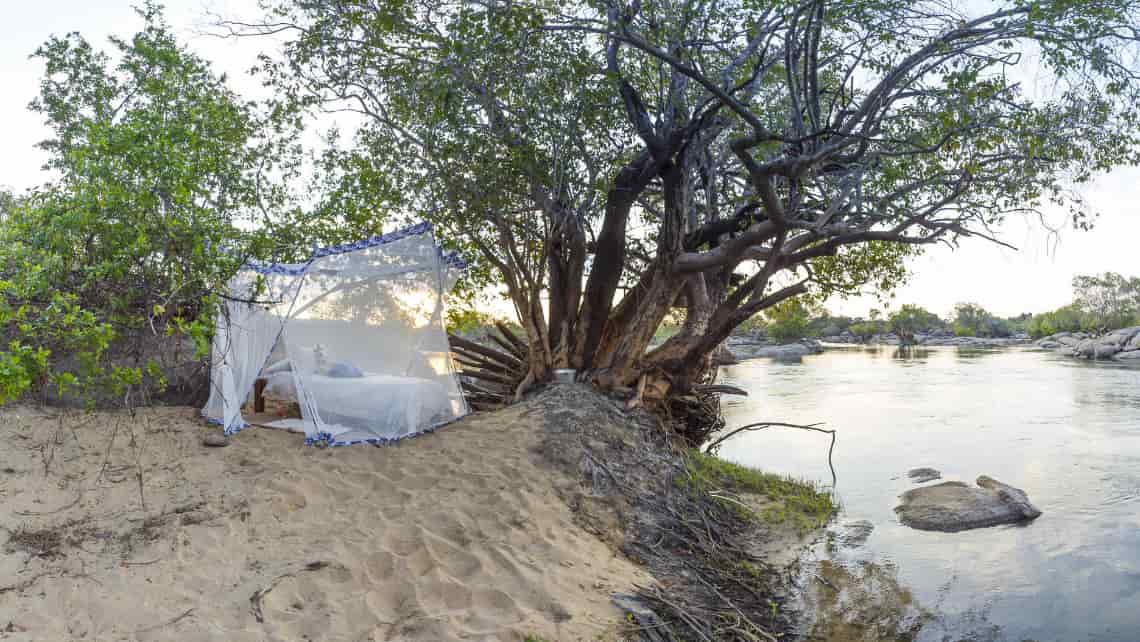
(367, 407)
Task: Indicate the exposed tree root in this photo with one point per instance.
(492, 377)
(639, 496)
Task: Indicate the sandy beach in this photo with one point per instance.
(120, 527)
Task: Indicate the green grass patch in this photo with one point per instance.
(798, 501)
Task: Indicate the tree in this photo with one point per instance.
(790, 320)
(159, 165)
(1108, 300)
(910, 320)
(972, 320)
(616, 160)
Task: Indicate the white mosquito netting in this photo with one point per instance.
(355, 336)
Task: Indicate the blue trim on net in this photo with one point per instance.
(327, 440)
(453, 259)
(227, 431)
(297, 269)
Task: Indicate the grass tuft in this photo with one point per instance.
(798, 501)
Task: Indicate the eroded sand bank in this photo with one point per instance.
(454, 535)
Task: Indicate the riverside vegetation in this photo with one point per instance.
(635, 163)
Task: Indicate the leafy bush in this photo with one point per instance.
(972, 320)
(911, 319)
(864, 330)
(1106, 301)
(789, 320)
(158, 165)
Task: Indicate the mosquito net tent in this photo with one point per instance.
(354, 336)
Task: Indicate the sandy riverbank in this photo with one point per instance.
(128, 529)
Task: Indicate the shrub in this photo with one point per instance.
(158, 166)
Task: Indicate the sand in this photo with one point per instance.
(455, 535)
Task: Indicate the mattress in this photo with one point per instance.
(372, 406)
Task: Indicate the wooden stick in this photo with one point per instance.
(506, 345)
(489, 353)
(487, 376)
(521, 348)
(721, 388)
(485, 365)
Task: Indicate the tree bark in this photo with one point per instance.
(609, 256)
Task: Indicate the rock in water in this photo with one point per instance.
(923, 475)
(955, 506)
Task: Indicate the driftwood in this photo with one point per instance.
(491, 374)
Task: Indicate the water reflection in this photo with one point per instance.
(911, 353)
(862, 602)
(1067, 432)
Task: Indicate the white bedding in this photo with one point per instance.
(371, 406)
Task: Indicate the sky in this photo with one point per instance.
(1035, 278)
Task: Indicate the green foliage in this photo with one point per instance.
(797, 501)
(1101, 303)
(50, 340)
(1106, 301)
(880, 265)
(506, 124)
(828, 325)
(1067, 318)
(911, 319)
(158, 165)
(465, 320)
(972, 320)
(864, 330)
(790, 320)
(8, 204)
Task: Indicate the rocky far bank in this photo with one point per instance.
(1118, 345)
(752, 346)
(940, 338)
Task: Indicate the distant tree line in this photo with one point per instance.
(1101, 303)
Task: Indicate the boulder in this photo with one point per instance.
(1086, 348)
(1067, 340)
(1105, 350)
(1134, 343)
(923, 475)
(788, 352)
(1123, 336)
(955, 506)
(1131, 355)
(1048, 345)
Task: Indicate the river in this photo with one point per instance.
(1066, 431)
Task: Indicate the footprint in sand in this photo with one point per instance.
(455, 561)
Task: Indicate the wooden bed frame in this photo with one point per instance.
(258, 398)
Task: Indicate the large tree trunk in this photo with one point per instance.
(609, 257)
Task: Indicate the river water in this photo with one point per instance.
(1065, 431)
